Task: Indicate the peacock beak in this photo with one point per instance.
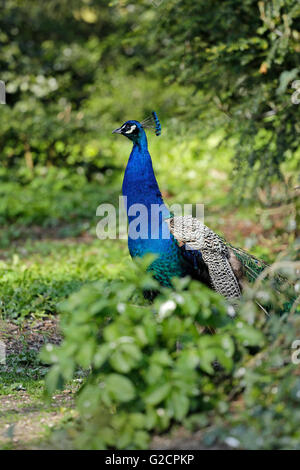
(117, 131)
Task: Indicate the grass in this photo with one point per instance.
(37, 275)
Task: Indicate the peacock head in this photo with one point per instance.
(134, 130)
(131, 129)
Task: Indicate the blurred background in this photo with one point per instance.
(222, 77)
(219, 76)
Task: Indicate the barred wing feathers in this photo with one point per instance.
(224, 268)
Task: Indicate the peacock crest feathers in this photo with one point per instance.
(152, 122)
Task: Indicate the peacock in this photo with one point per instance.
(183, 245)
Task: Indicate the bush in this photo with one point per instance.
(152, 366)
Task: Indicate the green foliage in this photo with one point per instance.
(75, 69)
(69, 82)
(154, 365)
(267, 416)
(37, 276)
(49, 199)
(241, 58)
(22, 371)
(150, 364)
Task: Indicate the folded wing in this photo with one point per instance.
(225, 269)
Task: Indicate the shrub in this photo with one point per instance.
(153, 365)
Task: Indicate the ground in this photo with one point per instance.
(25, 420)
(26, 417)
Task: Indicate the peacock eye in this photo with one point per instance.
(130, 129)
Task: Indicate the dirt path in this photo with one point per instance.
(26, 416)
(26, 422)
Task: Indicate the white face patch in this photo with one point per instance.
(132, 128)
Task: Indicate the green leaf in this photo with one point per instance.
(126, 357)
(161, 357)
(157, 394)
(218, 347)
(248, 335)
(178, 404)
(120, 388)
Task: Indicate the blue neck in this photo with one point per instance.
(140, 187)
(139, 184)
